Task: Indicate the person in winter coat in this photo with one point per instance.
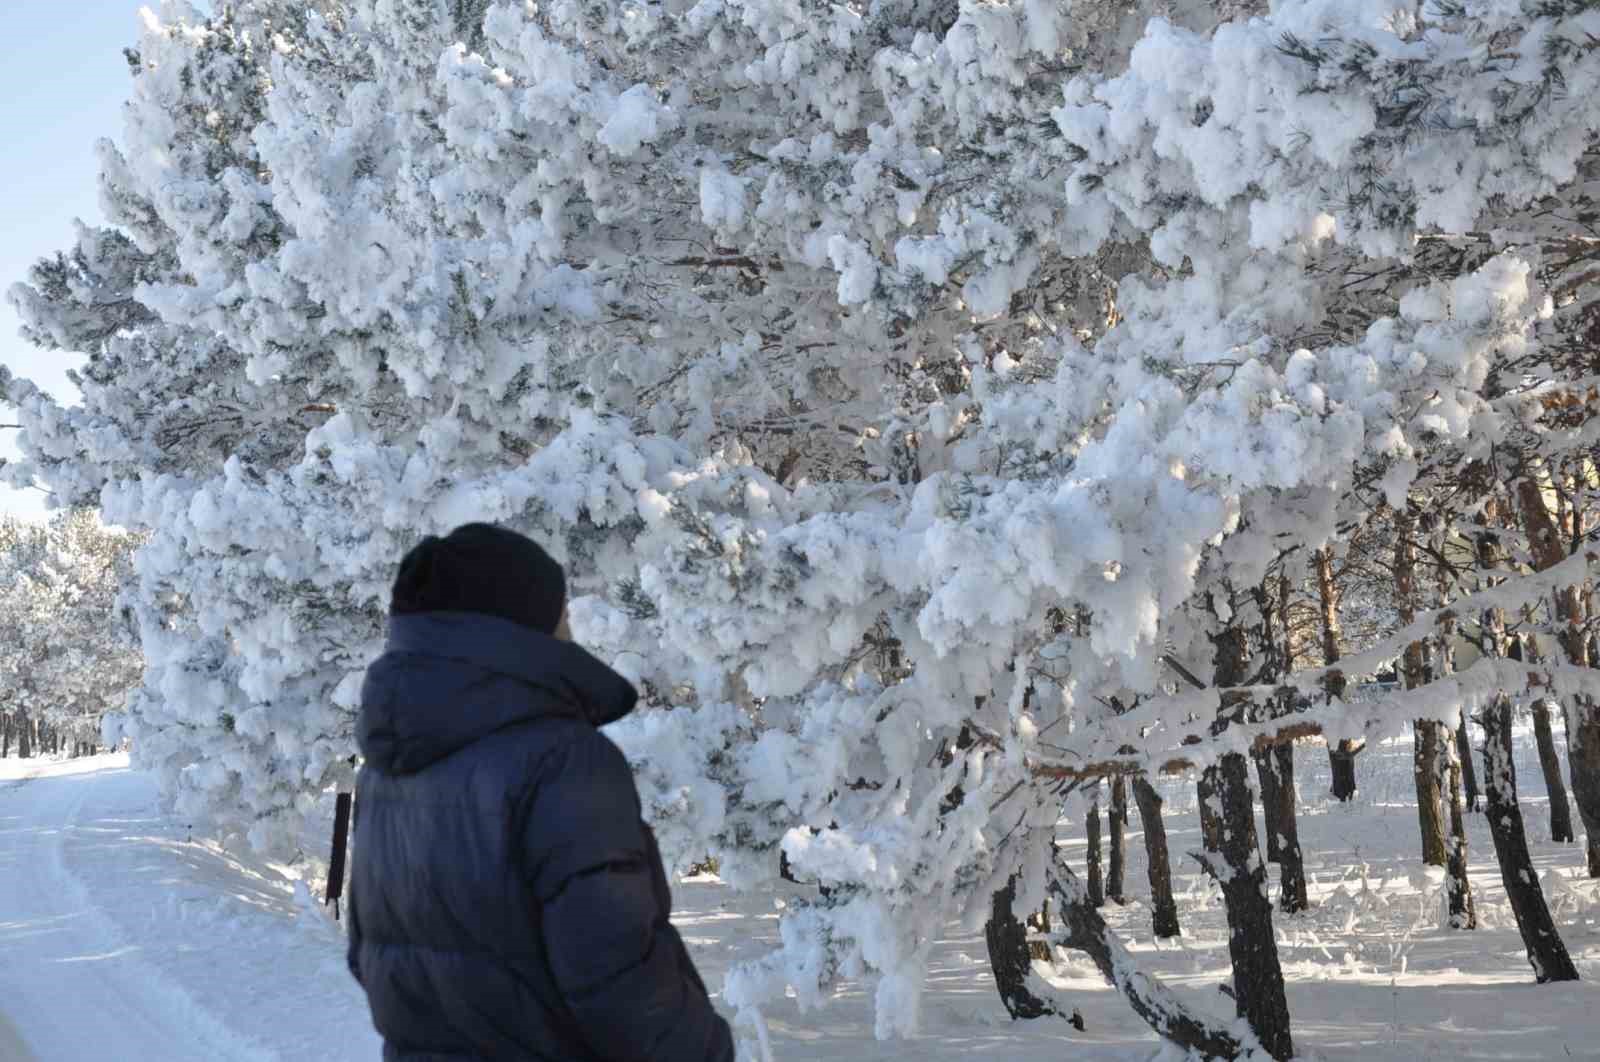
(506, 900)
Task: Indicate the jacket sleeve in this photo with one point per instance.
(614, 955)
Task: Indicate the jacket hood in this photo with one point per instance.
(448, 679)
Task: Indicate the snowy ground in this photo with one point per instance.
(123, 940)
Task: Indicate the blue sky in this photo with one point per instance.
(62, 84)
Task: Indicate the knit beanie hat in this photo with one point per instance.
(482, 568)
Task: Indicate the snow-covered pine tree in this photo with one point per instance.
(840, 351)
(68, 655)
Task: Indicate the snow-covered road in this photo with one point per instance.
(123, 941)
(114, 948)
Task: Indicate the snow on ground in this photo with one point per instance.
(124, 940)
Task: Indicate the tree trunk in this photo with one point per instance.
(1283, 832)
(24, 737)
(1228, 827)
(1425, 734)
(1010, 958)
(1546, 953)
(1091, 856)
(1583, 760)
(1594, 857)
(1267, 779)
(1341, 757)
(1469, 771)
(1549, 548)
(1085, 930)
(1257, 977)
(1425, 763)
(1342, 763)
(1116, 885)
(1163, 908)
(1463, 912)
(1458, 888)
(5, 735)
(1292, 897)
(1550, 763)
(1445, 651)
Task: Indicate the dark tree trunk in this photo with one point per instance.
(1342, 763)
(1458, 888)
(1116, 885)
(1594, 858)
(1546, 953)
(1085, 930)
(24, 737)
(1257, 977)
(1463, 913)
(1091, 856)
(5, 736)
(1583, 760)
(1267, 779)
(1228, 827)
(343, 804)
(1163, 908)
(1292, 896)
(1461, 763)
(1550, 763)
(1010, 959)
(1469, 770)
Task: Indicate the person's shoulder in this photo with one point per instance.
(545, 740)
(558, 747)
(587, 752)
(586, 774)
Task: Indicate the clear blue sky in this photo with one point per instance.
(62, 84)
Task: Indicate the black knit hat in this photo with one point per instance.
(482, 568)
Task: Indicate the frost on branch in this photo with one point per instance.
(902, 385)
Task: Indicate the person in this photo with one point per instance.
(506, 900)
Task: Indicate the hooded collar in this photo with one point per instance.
(443, 685)
(500, 646)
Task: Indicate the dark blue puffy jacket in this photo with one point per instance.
(506, 901)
